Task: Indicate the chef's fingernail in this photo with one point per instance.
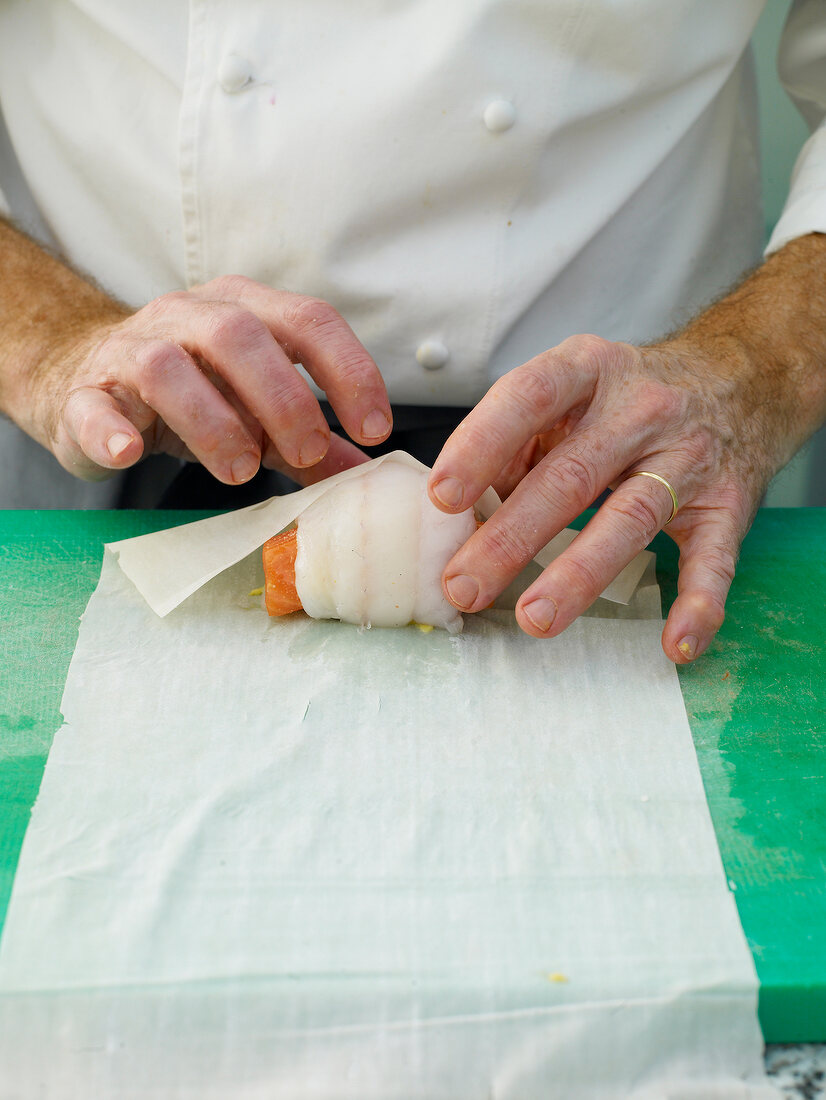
(541, 613)
(688, 646)
(375, 425)
(463, 590)
(314, 448)
(118, 443)
(449, 491)
(244, 467)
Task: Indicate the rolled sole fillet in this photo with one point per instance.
(370, 551)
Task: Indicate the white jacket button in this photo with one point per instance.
(432, 354)
(234, 72)
(499, 115)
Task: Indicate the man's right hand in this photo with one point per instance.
(207, 374)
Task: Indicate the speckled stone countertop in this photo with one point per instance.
(799, 1071)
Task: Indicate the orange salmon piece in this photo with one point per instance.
(279, 554)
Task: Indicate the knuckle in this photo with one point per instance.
(231, 328)
(505, 546)
(582, 577)
(592, 356)
(700, 448)
(161, 306)
(720, 563)
(659, 403)
(574, 478)
(291, 415)
(155, 361)
(228, 286)
(585, 347)
(536, 385)
(640, 516)
(304, 315)
(212, 439)
(352, 365)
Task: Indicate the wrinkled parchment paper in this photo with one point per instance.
(288, 858)
(168, 566)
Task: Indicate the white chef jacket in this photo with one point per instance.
(468, 183)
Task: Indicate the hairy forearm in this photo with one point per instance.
(45, 307)
(769, 336)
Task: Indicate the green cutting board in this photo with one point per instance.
(756, 703)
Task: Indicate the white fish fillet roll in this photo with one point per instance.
(372, 551)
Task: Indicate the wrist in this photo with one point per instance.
(50, 316)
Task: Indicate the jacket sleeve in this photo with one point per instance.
(802, 67)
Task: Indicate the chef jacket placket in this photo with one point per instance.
(379, 158)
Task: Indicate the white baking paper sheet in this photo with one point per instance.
(168, 566)
(286, 858)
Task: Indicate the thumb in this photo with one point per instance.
(94, 438)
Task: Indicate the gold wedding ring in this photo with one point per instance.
(675, 507)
